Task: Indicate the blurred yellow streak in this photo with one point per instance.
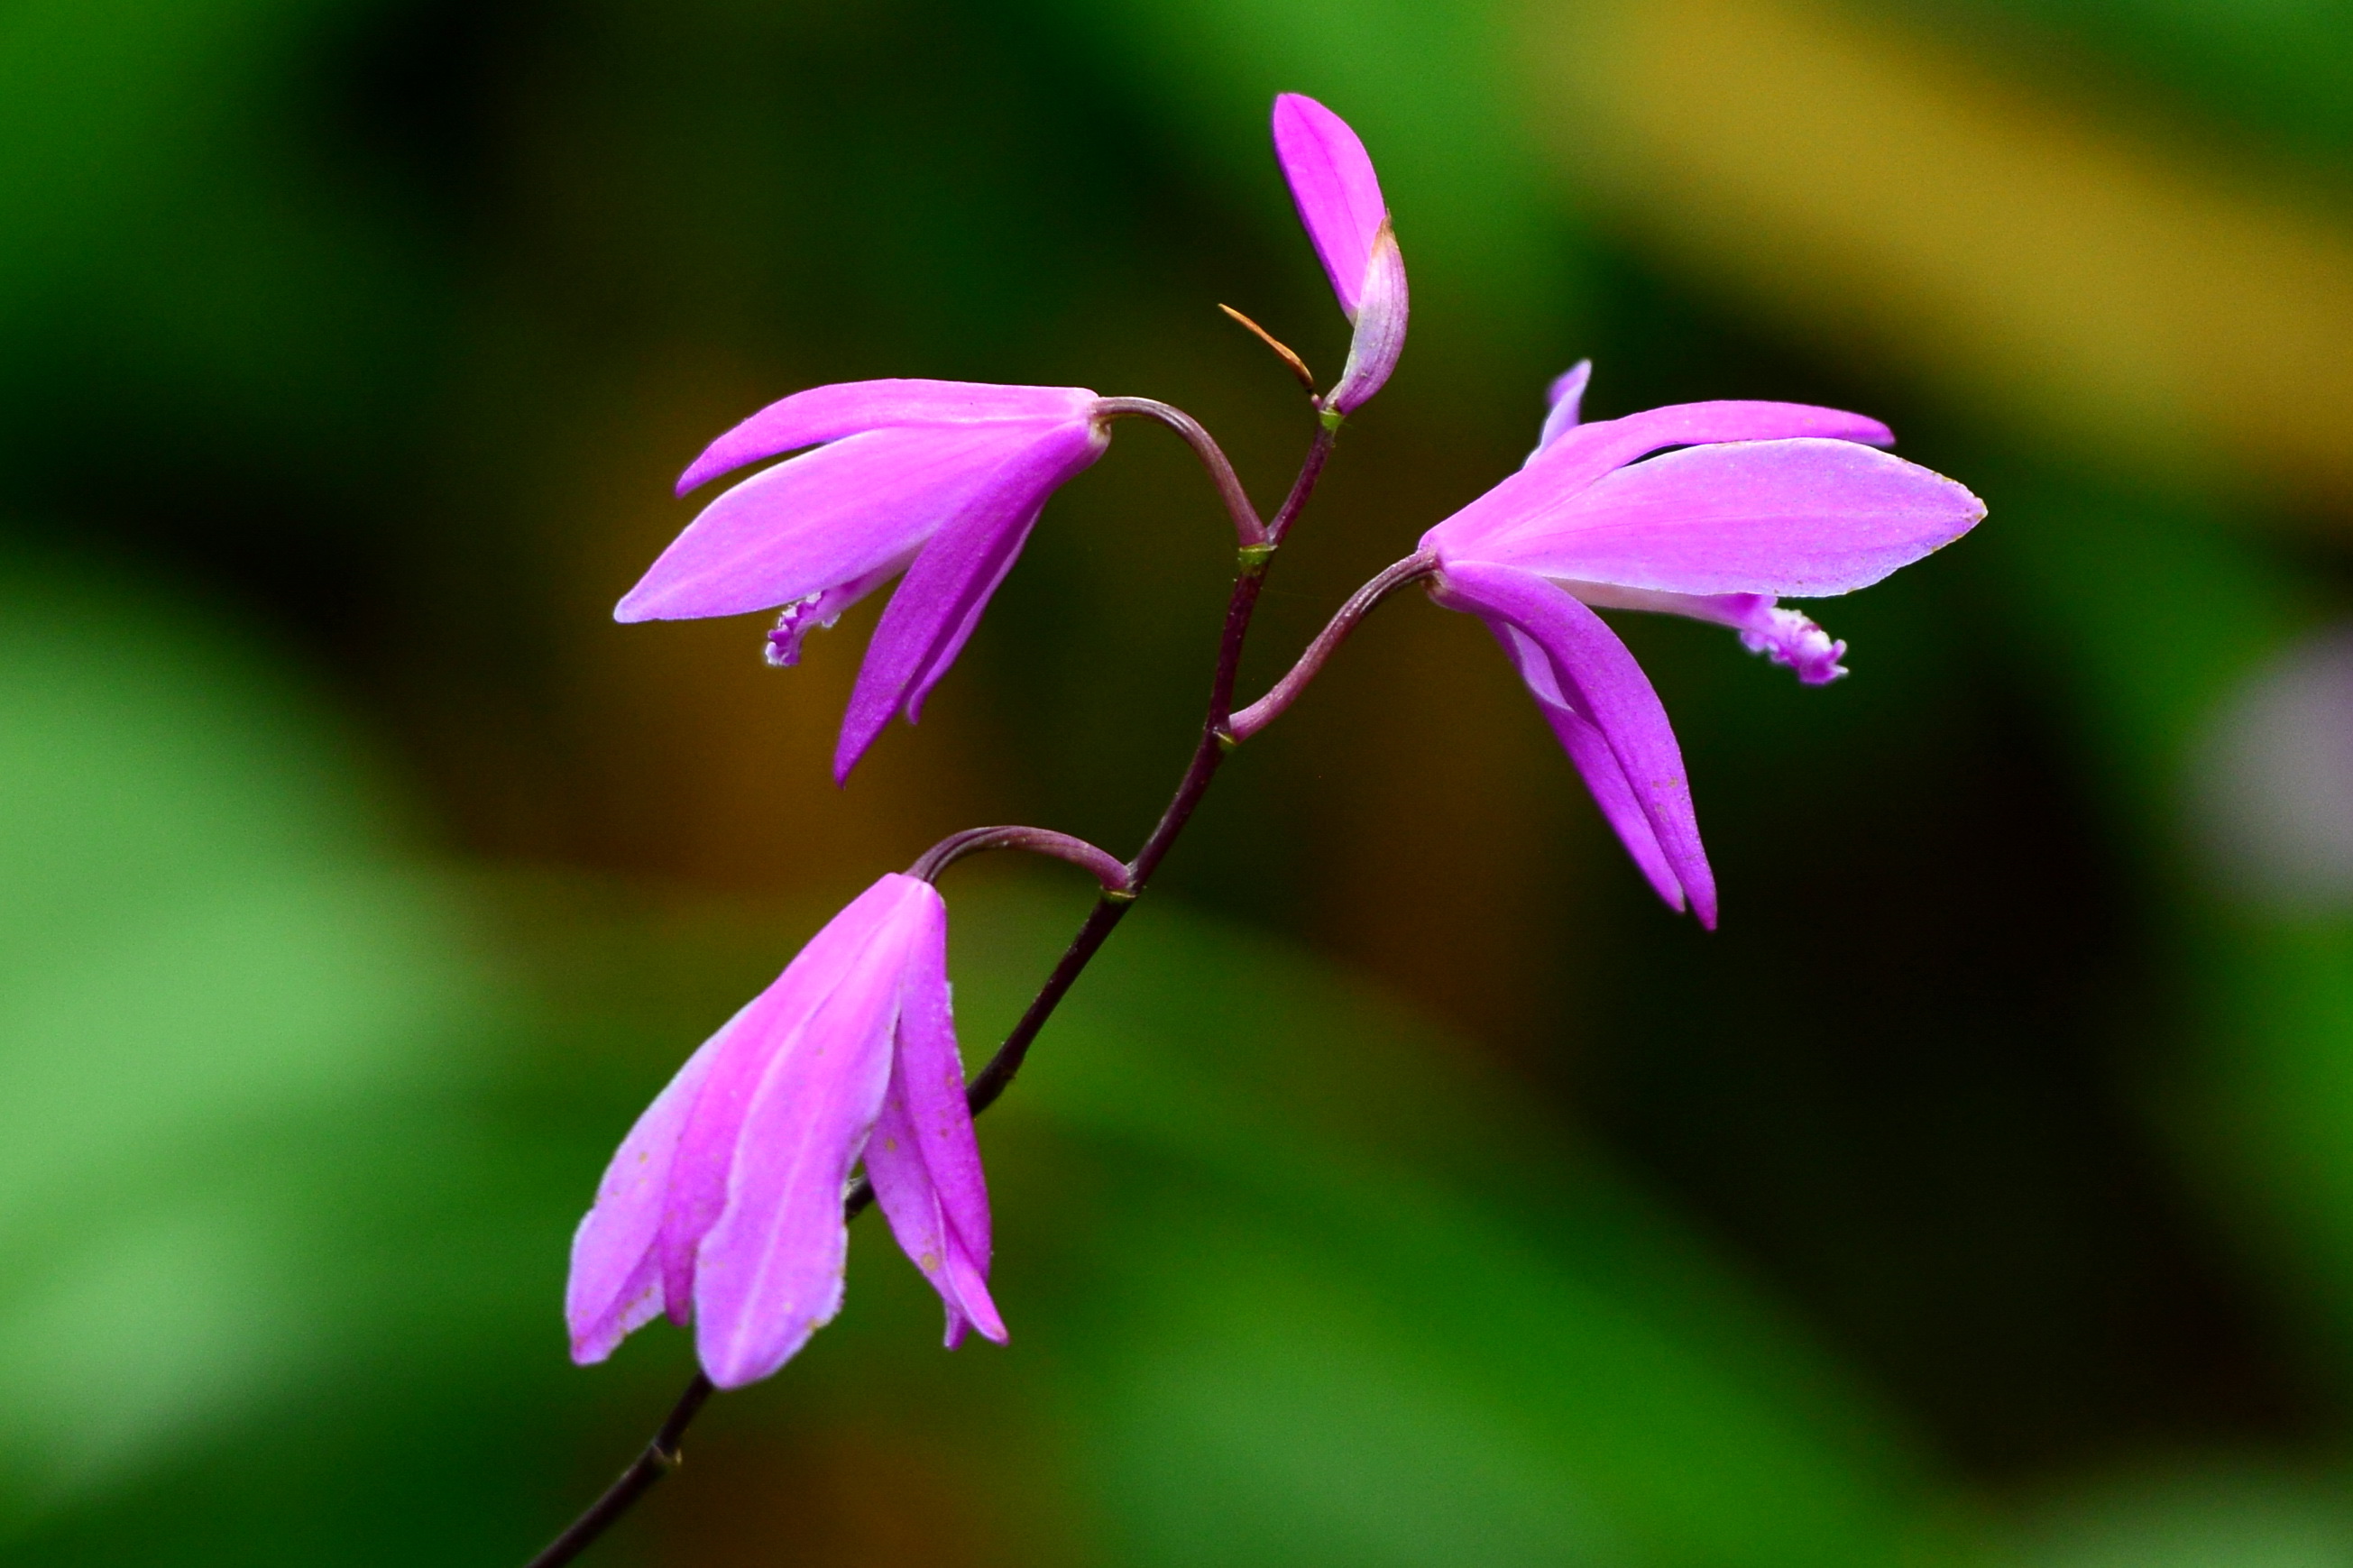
(2090, 277)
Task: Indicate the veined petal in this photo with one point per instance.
(828, 413)
(823, 518)
(769, 1274)
(616, 1283)
(940, 601)
(1586, 669)
(1807, 518)
(924, 1159)
(1562, 468)
(1562, 402)
(1332, 184)
(742, 1055)
(1380, 337)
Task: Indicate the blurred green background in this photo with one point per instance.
(1404, 1186)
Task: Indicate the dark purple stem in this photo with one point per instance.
(1328, 432)
(1105, 866)
(1270, 708)
(1249, 530)
(1122, 886)
(661, 1458)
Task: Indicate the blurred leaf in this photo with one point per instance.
(2148, 618)
(235, 1043)
(185, 244)
(2277, 64)
(2218, 1513)
(1340, 1298)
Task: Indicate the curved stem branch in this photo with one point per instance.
(1270, 708)
(1102, 864)
(1248, 528)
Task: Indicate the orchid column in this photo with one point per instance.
(726, 1206)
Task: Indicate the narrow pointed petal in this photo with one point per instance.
(825, 518)
(1562, 403)
(924, 1159)
(1590, 750)
(742, 1054)
(828, 413)
(1333, 182)
(1565, 467)
(1588, 671)
(1381, 327)
(940, 600)
(1806, 518)
(769, 1274)
(616, 1283)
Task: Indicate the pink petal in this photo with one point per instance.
(1333, 182)
(1586, 669)
(617, 1281)
(844, 408)
(822, 520)
(1562, 401)
(1380, 337)
(769, 1274)
(743, 1054)
(936, 607)
(1590, 750)
(923, 1159)
(1805, 517)
(1563, 468)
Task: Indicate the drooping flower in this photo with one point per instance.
(724, 1204)
(940, 479)
(1760, 500)
(1339, 200)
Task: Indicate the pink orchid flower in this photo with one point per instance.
(1339, 200)
(1762, 500)
(724, 1204)
(940, 479)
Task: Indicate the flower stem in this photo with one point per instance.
(1106, 866)
(1270, 708)
(662, 1456)
(1327, 433)
(1248, 528)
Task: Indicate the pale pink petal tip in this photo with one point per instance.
(1569, 388)
(1381, 327)
(1563, 401)
(1334, 185)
